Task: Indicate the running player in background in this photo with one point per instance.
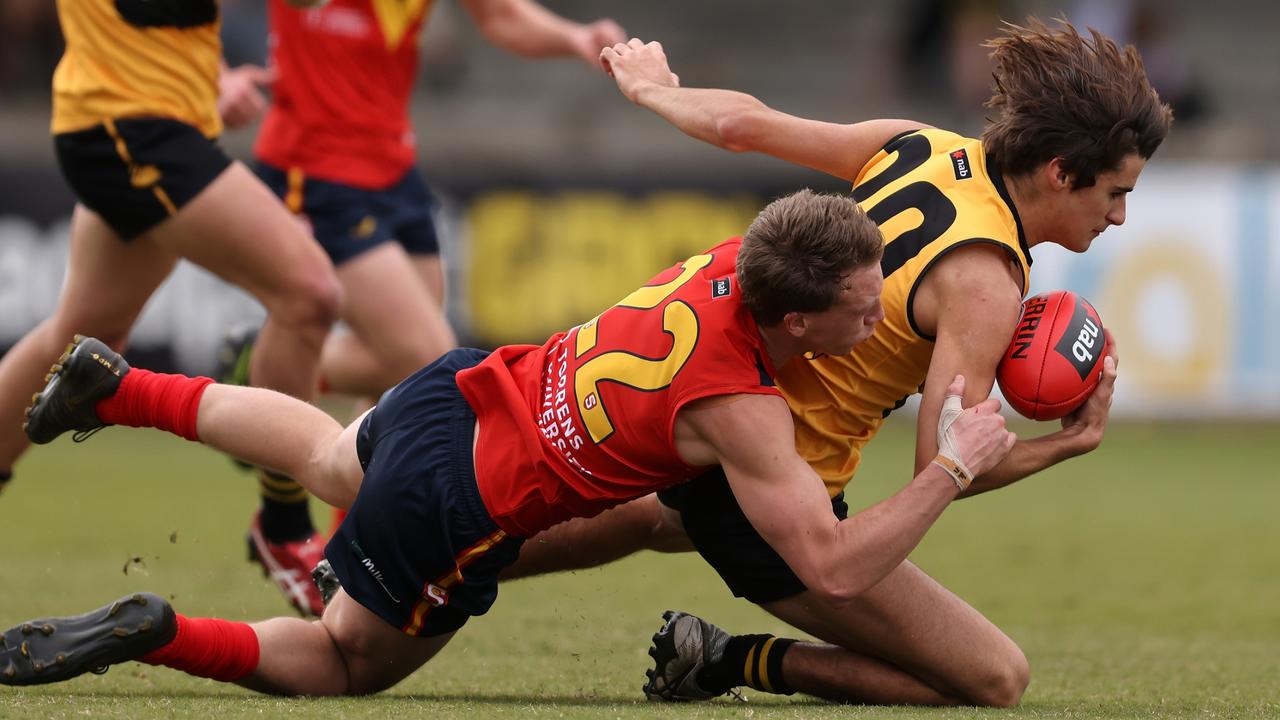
(135, 124)
(338, 148)
(459, 463)
(1076, 121)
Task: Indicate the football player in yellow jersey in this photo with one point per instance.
(135, 124)
(1076, 121)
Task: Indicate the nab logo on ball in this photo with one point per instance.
(1055, 358)
(1081, 342)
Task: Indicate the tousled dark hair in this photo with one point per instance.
(1060, 94)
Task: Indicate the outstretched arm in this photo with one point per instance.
(527, 29)
(789, 506)
(740, 122)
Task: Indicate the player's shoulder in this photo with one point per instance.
(941, 158)
(938, 138)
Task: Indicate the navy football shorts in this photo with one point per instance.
(347, 220)
(418, 548)
(136, 172)
(727, 541)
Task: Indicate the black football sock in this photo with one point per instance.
(285, 514)
(751, 660)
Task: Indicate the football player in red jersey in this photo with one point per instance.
(459, 463)
(1075, 122)
(338, 148)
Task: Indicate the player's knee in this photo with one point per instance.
(1003, 684)
(308, 303)
(67, 323)
(366, 673)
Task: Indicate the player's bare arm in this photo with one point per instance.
(527, 29)
(751, 437)
(740, 122)
(971, 302)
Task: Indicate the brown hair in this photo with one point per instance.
(797, 251)
(1061, 95)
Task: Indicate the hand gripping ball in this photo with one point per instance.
(1055, 359)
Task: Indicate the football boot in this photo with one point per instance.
(87, 372)
(57, 649)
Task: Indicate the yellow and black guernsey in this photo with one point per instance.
(930, 191)
(138, 58)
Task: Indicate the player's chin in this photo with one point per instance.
(847, 347)
(1084, 243)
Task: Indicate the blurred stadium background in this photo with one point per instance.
(1141, 580)
(558, 195)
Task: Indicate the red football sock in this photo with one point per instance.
(148, 399)
(209, 648)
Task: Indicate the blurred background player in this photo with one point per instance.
(959, 217)
(337, 146)
(135, 123)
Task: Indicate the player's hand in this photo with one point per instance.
(590, 39)
(975, 440)
(240, 99)
(1087, 424)
(636, 64)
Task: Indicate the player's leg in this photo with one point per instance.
(275, 431)
(108, 282)
(395, 325)
(906, 639)
(394, 282)
(92, 386)
(349, 651)
(642, 524)
(238, 230)
(431, 269)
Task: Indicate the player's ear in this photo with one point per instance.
(1057, 176)
(795, 324)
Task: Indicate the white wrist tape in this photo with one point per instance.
(948, 456)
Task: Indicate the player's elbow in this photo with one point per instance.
(836, 585)
(738, 129)
(499, 22)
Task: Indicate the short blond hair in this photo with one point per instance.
(799, 248)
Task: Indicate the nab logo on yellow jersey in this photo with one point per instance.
(960, 163)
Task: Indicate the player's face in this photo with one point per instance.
(836, 330)
(1087, 212)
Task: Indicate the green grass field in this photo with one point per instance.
(1142, 581)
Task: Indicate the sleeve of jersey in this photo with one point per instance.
(729, 361)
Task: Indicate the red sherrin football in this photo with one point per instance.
(1055, 359)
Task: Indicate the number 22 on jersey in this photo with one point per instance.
(631, 369)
